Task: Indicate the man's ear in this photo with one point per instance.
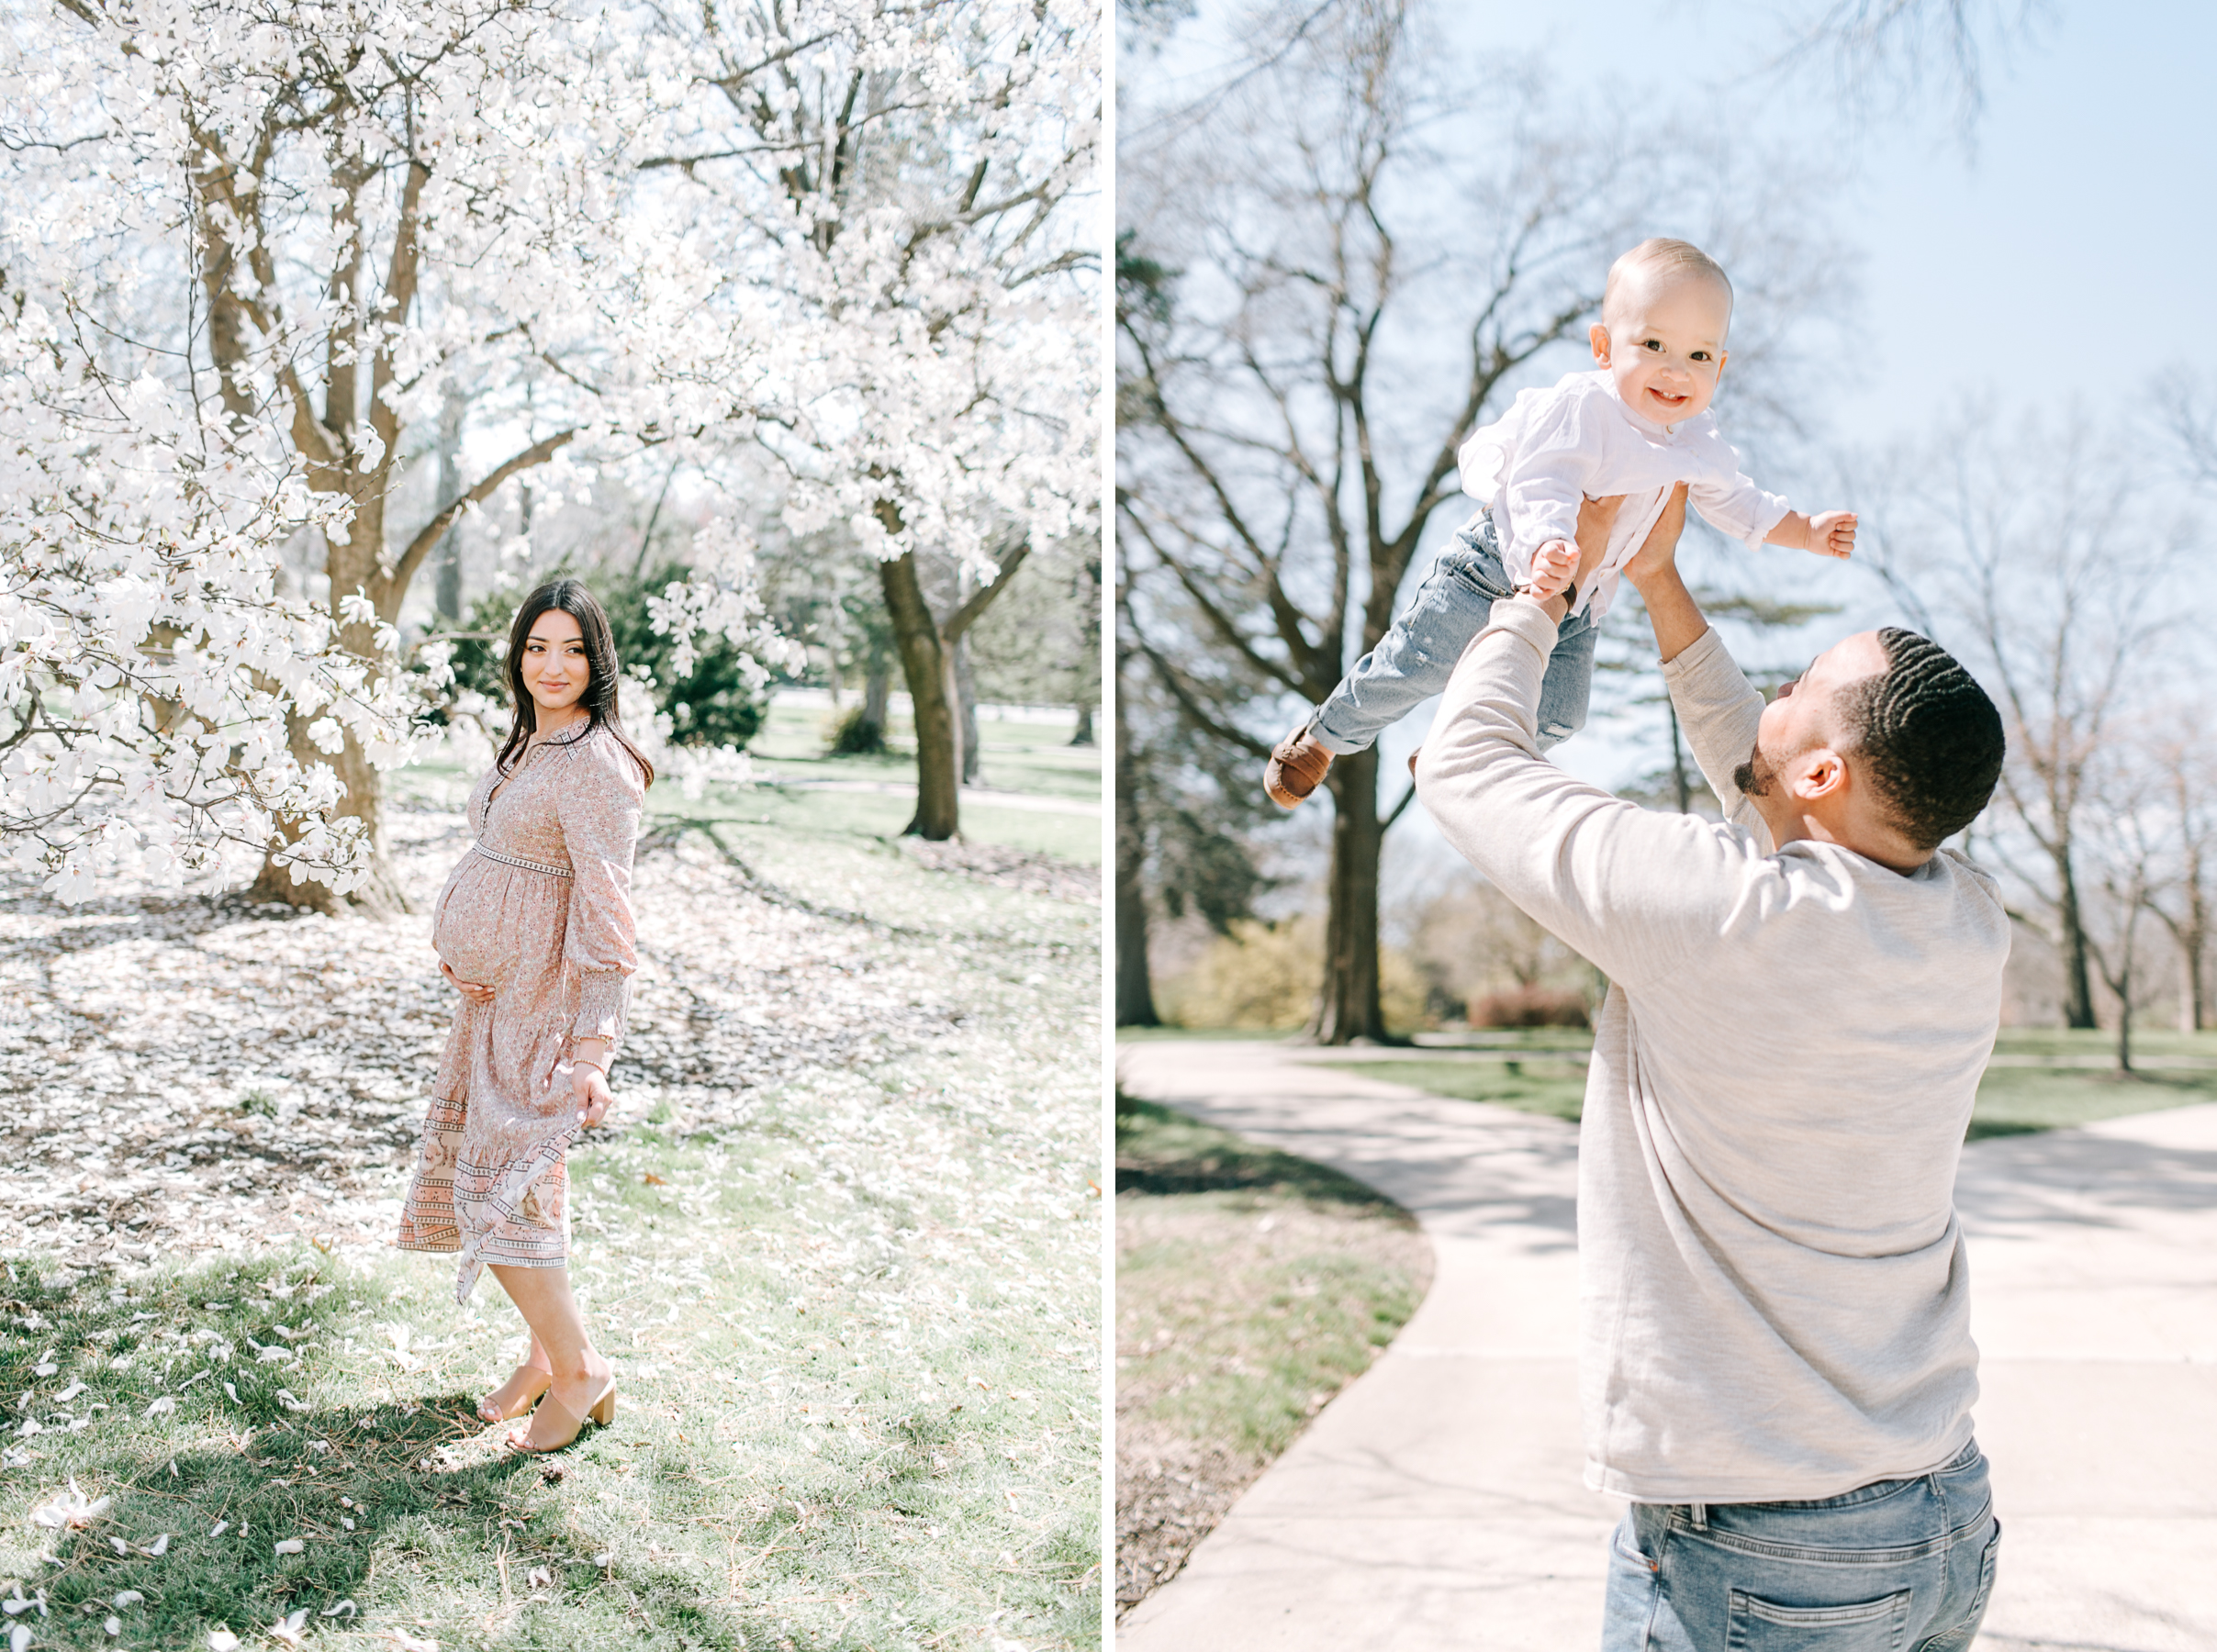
(1599, 336)
(1819, 773)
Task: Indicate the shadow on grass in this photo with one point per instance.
(1162, 1151)
(216, 1486)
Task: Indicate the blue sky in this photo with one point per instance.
(2069, 255)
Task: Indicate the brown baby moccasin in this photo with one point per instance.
(1295, 769)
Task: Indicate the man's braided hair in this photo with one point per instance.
(1930, 737)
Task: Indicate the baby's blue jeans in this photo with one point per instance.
(1415, 659)
(1898, 1566)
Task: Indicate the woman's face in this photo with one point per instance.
(556, 670)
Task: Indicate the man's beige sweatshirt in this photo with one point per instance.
(1773, 1297)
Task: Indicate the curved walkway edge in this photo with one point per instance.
(1438, 1501)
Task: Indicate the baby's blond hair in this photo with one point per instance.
(1660, 255)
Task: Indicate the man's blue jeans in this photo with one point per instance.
(1414, 660)
(1899, 1566)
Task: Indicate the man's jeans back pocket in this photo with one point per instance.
(1760, 1625)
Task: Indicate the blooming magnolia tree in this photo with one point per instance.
(257, 242)
(266, 239)
(910, 187)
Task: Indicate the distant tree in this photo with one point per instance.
(2032, 551)
(2182, 771)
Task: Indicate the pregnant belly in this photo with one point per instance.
(466, 928)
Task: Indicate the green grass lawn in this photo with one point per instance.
(2043, 1078)
(1034, 757)
(1251, 1286)
(858, 1341)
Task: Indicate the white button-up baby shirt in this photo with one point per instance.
(1578, 440)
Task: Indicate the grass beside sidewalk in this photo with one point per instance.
(2041, 1078)
(1251, 1285)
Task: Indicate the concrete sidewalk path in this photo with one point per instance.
(1439, 1503)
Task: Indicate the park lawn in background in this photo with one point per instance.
(1200, 1035)
(2041, 1078)
(1251, 1285)
(1546, 1082)
(1014, 755)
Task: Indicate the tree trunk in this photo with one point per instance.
(1135, 992)
(2078, 981)
(1348, 1008)
(446, 592)
(357, 565)
(966, 691)
(928, 665)
(878, 688)
(1088, 661)
(380, 894)
(2190, 988)
(2124, 1020)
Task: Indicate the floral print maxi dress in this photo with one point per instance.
(540, 910)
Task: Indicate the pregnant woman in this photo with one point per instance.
(534, 930)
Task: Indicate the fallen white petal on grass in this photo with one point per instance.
(290, 1546)
(540, 1577)
(72, 1509)
(290, 1400)
(220, 1528)
(127, 1599)
(233, 1392)
(162, 1402)
(222, 1640)
(343, 1609)
(19, 1638)
(114, 1625)
(289, 1630)
(69, 1393)
(410, 1643)
(159, 1547)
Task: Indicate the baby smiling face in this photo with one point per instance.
(1662, 338)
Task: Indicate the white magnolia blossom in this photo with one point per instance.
(245, 246)
(147, 661)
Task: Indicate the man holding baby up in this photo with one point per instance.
(1775, 1358)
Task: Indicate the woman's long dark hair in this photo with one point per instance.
(599, 697)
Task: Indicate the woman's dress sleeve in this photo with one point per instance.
(600, 812)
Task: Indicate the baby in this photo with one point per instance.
(1638, 426)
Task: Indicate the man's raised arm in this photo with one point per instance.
(1717, 708)
(1630, 889)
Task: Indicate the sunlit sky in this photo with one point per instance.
(2062, 254)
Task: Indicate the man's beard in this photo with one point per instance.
(1756, 776)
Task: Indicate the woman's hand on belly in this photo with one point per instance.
(475, 991)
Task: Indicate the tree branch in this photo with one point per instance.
(404, 570)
